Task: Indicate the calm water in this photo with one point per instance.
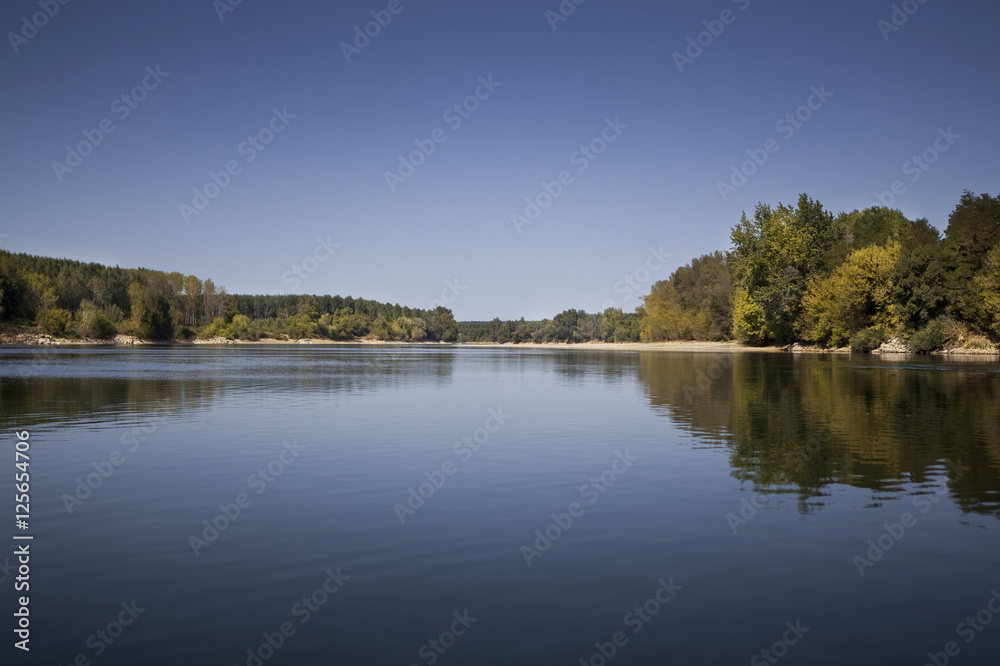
(742, 491)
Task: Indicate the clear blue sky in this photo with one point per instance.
(323, 175)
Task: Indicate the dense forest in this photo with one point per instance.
(68, 298)
(793, 274)
(74, 299)
(612, 325)
(801, 274)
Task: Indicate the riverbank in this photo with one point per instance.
(26, 338)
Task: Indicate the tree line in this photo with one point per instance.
(570, 326)
(69, 298)
(855, 279)
(793, 273)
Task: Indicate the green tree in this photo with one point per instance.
(973, 230)
(768, 254)
(694, 303)
(150, 313)
(194, 304)
(41, 293)
(918, 278)
(92, 323)
(55, 321)
(619, 326)
(987, 282)
(857, 296)
(773, 258)
(873, 226)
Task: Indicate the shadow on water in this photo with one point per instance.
(799, 423)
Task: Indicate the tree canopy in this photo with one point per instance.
(89, 300)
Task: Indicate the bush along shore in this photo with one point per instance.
(795, 277)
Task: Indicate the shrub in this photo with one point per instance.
(92, 323)
(55, 321)
(238, 328)
(929, 338)
(867, 340)
(216, 329)
(979, 343)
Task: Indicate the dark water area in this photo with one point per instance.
(452, 505)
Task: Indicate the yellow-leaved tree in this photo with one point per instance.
(855, 297)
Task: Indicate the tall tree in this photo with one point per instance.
(973, 230)
(858, 295)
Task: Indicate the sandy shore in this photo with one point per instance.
(675, 345)
(41, 339)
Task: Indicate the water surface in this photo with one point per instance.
(745, 488)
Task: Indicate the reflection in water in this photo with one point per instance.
(801, 423)
(376, 422)
(792, 423)
(93, 384)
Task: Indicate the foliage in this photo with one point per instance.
(93, 323)
(872, 226)
(919, 275)
(929, 338)
(55, 321)
(749, 323)
(857, 296)
(774, 255)
(987, 284)
(867, 340)
(792, 273)
(694, 303)
(158, 305)
(973, 231)
(612, 325)
(799, 275)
